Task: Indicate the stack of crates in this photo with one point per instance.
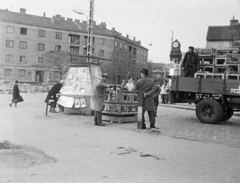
(120, 107)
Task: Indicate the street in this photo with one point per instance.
(69, 148)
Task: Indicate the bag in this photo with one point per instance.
(20, 99)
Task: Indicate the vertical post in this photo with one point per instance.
(90, 30)
(140, 111)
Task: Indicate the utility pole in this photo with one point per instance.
(90, 30)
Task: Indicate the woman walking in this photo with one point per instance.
(16, 95)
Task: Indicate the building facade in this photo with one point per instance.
(224, 37)
(25, 40)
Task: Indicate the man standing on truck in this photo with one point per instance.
(190, 63)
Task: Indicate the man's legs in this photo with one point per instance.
(98, 118)
(151, 116)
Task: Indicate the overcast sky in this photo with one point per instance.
(151, 21)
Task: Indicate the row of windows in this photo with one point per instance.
(22, 59)
(23, 31)
(121, 45)
(21, 72)
(23, 45)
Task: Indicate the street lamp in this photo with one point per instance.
(80, 13)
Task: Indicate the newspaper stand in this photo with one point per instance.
(120, 107)
(78, 83)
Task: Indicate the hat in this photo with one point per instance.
(166, 79)
(191, 47)
(16, 81)
(105, 75)
(144, 71)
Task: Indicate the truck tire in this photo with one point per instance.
(227, 113)
(209, 111)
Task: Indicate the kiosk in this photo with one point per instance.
(78, 83)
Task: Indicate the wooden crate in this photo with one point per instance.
(233, 76)
(122, 109)
(200, 75)
(121, 98)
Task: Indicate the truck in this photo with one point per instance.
(215, 99)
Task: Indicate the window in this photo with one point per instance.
(58, 35)
(142, 53)
(84, 51)
(8, 72)
(10, 29)
(23, 31)
(126, 47)
(85, 40)
(101, 41)
(9, 43)
(138, 51)
(8, 58)
(58, 48)
(23, 45)
(101, 53)
(120, 45)
(21, 73)
(115, 43)
(74, 49)
(22, 59)
(40, 60)
(41, 33)
(41, 47)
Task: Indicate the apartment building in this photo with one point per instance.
(25, 39)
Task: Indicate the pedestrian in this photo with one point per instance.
(190, 63)
(16, 95)
(147, 86)
(165, 89)
(52, 95)
(97, 98)
(156, 97)
(130, 85)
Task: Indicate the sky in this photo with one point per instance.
(153, 22)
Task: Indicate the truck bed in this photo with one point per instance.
(206, 86)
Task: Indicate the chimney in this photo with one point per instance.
(113, 29)
(44, 14)
(76, 20)
(69, 19)
(22, 11)
(134, 39)
(127, 36)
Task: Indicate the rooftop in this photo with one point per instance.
(62, 23)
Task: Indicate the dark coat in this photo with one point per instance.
(146, 85)
(52, 94)
(191, 61)
(98, 94)
(16, 92)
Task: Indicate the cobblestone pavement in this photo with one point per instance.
(180, 121)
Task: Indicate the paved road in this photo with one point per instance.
(185, 151)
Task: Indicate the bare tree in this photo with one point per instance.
(59, 61)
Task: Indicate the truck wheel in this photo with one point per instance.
(209, 111)
(227, 113)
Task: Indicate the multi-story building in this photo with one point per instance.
(25, 39)
(223, 37)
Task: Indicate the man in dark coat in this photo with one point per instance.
(190, 63)
(16, 95)
(97, 98)
(52, 95)
(147, 86)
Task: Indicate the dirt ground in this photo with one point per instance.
(69, 148)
